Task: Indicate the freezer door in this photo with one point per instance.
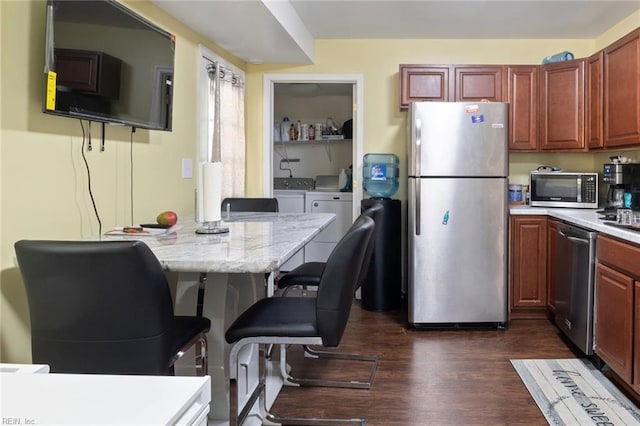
(458, 139)
(457, 251)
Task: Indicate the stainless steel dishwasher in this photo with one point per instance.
(575, 273)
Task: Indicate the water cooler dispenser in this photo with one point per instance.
(382, 288)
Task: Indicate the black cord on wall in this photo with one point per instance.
(86, 164)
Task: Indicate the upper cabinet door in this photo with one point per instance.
(594, 75)
(475, 83)
(622, 92)
(562, 106)
(522, 95)
(423, 83)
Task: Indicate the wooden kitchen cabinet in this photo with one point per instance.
(94, 73)
(622, 92)
(636, 337)
(423, 83)
(594, 101)
(552, 238)
(614, 313)
(528, 266)
(617, 335)
(476, 83)
(522, 95)
(463, 83)
(562, 106)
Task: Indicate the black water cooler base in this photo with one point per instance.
(382, 289)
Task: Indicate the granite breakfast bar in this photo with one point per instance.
(232, 267)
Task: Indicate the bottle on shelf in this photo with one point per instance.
(284, 129)
(292, 132)
(304, 132)
(342, 180)
(298, 130)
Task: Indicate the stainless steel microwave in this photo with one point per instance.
(563, 189)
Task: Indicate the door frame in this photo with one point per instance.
(357, 80)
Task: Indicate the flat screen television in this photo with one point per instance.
(105, 63)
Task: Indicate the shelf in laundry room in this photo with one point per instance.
(313, 142)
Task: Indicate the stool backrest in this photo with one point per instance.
(247, 204)
(375, 213)
(97, 306)
(340, 278)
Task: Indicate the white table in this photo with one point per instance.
(93, 399)
(232, 266)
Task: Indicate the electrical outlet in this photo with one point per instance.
(187, 168)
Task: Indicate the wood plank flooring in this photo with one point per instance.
(427, 377)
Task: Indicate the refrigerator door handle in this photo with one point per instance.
(418, 202)
(417, 147)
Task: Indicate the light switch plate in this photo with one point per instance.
(187, 168)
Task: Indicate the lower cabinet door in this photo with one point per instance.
(636, 337)
(614, 320)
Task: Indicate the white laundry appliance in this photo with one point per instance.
(340, 203)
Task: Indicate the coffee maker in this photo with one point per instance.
(622, 178)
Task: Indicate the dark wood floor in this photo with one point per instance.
(427, 377)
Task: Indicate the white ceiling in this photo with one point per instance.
(282, 31)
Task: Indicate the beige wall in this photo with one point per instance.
(43, 180)
(378, 60)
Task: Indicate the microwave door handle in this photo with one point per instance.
(579, 190)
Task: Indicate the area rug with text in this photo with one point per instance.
(574, 392)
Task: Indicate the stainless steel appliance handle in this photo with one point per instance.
(417, 198)
(417, 170)
(579, 189)
(574, 239)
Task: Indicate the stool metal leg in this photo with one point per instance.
(290, 380)
(259, 393)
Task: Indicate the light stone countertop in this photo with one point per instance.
(586, 218)
(256, 242)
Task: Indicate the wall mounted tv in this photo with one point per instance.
(105, 63)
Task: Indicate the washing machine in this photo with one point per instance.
(340, 203)
(290, 195)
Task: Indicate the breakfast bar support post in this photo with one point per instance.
(226, 296)
(214, 307)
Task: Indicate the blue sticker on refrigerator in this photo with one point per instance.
(445, 218)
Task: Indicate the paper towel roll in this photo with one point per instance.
(211, 191)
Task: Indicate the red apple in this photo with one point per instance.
(167, 218)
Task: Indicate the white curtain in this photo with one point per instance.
(226, 127)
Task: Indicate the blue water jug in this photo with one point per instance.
(380, 175)
(559, 57)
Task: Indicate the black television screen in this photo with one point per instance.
(105, 63)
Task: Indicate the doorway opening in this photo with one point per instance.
(311, 98)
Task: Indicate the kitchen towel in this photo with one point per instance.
(574, 392)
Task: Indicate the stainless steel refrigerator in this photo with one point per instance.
(458, 167)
